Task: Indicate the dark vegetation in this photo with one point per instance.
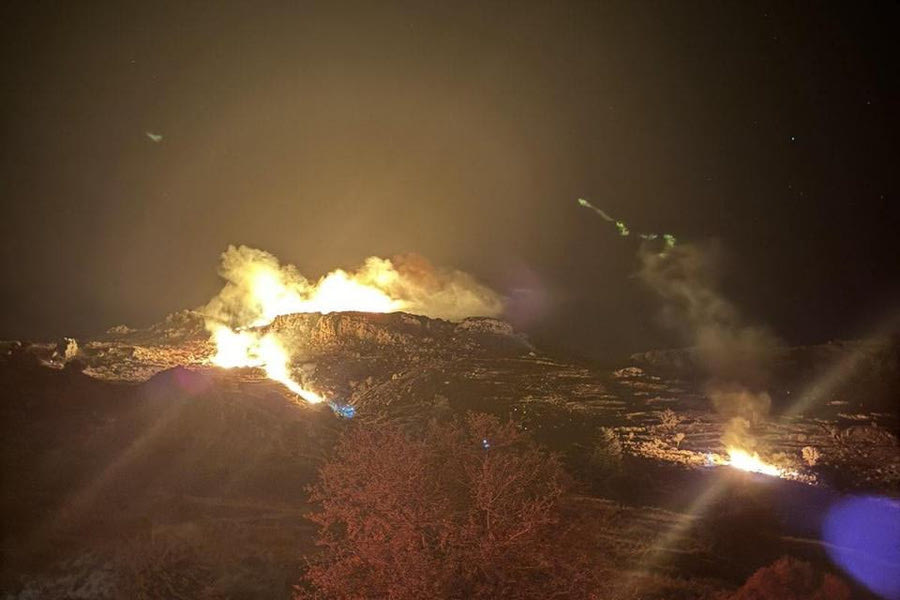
(791, 579)
(470, 508)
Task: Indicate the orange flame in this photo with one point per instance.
(267, 290)
(249, 349)
(259, 288)
(745, 461)
(337, 291)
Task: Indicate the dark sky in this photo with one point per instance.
(328, 132)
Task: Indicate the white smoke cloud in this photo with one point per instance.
(258, 288)
(440, 293)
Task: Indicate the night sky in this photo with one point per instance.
(325, 133)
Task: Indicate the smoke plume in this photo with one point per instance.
(259, 288)
(734, 356)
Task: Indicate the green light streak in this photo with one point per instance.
(669, 240)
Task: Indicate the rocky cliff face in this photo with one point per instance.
(365, 333)
(176, 328)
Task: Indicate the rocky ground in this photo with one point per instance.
(834, 417)
(130, 450)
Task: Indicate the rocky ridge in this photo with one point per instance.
(833, 416)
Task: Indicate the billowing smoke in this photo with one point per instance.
(735, 356)
(259, 288)
(438, 293)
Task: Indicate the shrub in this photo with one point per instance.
(791, 579)
(467, 509)
(606, 454)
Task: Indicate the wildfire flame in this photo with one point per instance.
(337, 291)
(745, 461)
(259, 289)
(270, 294)
(249, 349)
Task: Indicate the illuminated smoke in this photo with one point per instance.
(734, 356)
(259, 288)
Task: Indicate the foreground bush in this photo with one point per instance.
(469, 509)
(791, 579)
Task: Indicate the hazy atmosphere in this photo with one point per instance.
(140, 141)
(450, 301)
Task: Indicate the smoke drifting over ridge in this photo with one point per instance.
(734, 355)
(258, 288)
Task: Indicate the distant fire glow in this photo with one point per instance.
(750, 462)
(259, 289)
(743, 460)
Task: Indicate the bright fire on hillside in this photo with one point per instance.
(745, 461)
(259, 289)
(751, 462)
(269, 293)
(337, 291)
(249, 349)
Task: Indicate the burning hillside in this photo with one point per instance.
(420, 339)
(221, 425)
(259, 289)
(237, 435)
